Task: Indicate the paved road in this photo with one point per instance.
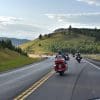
(94, 62)
(14, 82)
(81, 82)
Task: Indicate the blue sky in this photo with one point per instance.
(29, 18)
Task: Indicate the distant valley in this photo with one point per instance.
(15, 41)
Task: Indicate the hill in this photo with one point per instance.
(13, 57)
(15, 42)
(10, 59)
(68, 40)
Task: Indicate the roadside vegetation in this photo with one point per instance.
(12, 57)
(10, 60)
(8, 44)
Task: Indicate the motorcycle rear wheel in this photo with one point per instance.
(61, 73)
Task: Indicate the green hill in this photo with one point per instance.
(10, 59)
(69, 40)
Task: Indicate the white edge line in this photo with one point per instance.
(93, 65)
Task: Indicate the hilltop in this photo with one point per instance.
(68, 40)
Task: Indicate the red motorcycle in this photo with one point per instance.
(60, 66)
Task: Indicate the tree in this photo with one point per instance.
(95, 28)
(69, 29)
(39, 44)
(45, 35)
(49, 35)
(40, 36)
(98, 36)
(8, 44)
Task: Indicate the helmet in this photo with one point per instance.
(59, 52)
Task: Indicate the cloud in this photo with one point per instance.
(5, 20)
(19, 28)
(83, 18)
(52, 16)
(13, 24)
(91, 2)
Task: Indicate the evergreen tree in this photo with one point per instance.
(69, 29)
(40, 36)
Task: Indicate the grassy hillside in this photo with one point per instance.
(63, 40)
(11, 59)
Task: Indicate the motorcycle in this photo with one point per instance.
(67, 58)
(60, 66)
(73, 54)
(78, 58)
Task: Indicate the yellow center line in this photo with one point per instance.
(36, 85)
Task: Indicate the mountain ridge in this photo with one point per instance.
(15, 41)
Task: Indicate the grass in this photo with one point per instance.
(45, 45)
(11, 60)
(93, 56)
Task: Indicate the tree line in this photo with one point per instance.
(83, 47)
(8, 44)
(86, 31)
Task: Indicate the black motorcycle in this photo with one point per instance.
(79, 58)
(67, 57)
(73, 54)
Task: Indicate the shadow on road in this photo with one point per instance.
(65, 75)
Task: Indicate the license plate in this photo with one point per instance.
(60, 66)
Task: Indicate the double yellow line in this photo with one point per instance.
(30, 90)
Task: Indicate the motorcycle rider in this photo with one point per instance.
(60, 63)
(67, 57)
(78, 56)
(73, 54)
(62, 55)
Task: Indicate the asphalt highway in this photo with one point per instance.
(14, 82)
(80, 82)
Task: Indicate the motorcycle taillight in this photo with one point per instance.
(60, 66)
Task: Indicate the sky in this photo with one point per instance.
(27, 19)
